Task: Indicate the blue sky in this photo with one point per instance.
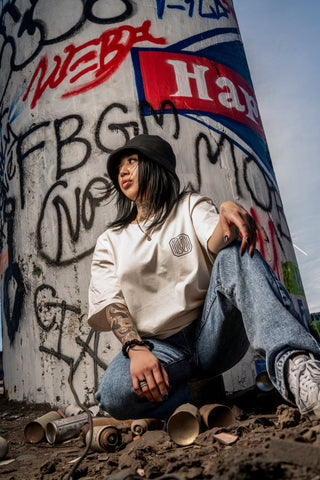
(282, 42)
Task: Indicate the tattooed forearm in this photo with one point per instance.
(121, 323)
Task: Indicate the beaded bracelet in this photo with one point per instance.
(134, 342)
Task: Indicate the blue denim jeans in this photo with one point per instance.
(245, 304)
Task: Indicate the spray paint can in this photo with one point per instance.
(34, 431)
(217, 415)
(72, 410)
(262, 379)
(140, 426)
(184, 424)
(263, 382)
(65, 428)
(121, 425)
(3, 448)
(94, 410)
(104, 438)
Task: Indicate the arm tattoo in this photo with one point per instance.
(121, 323)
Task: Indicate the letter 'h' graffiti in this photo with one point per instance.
(183, 76)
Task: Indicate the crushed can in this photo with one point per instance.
(65, 428)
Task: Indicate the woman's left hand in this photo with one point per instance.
(232, 213)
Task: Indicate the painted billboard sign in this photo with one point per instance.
(200, 86)
(78, 78)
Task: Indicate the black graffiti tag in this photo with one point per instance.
(51, 314)
(83, 212)
(12, 278)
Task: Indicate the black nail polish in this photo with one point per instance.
(165, 397)
(226, 238)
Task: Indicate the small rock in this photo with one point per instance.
(238, 413)
(288, 417)
(48, 467)
(225, 438)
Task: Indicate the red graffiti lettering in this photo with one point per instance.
(276, 264)
(260, 240)
(91, 63)
(3, 261)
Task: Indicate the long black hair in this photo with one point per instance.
(162, 188)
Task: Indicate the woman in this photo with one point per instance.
(184, 296)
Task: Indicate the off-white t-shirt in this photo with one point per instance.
(163, 282)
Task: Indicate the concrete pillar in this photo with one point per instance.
(77, 80)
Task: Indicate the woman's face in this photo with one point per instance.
(128, 176)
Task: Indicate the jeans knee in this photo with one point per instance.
(233, 249)
(114, 401)
(115, 394)
(229, 256)
(112, 408)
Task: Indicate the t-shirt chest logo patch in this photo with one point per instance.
(180, 245)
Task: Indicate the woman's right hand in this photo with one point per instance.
(145, 366)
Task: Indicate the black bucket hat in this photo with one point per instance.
(153, 147)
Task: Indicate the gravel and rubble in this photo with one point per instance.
(269, 440)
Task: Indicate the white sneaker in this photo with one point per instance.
(304, 383)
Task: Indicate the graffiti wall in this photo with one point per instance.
(78, 78)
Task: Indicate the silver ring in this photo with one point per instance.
(143, 383)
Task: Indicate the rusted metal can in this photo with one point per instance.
(104, 438)
(34, 431)
(121, 425)
(3, 448)
(65, 428)
(184, 424)
(216, 415)
(140, 426)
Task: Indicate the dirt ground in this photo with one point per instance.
(272, 441)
